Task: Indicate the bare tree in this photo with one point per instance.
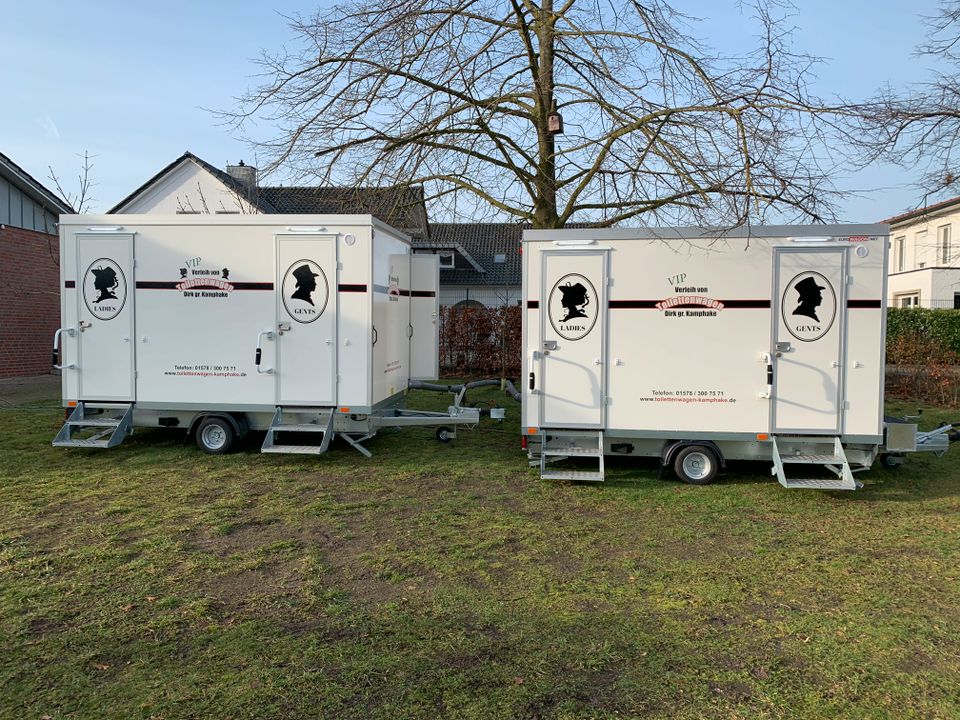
(82, 199)
(468, 98)
(919, 127)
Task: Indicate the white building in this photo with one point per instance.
(924, 265)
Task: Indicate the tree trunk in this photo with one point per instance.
(545, 204)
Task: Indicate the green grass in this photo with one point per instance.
(152, 581)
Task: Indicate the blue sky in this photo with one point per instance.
(129, 81)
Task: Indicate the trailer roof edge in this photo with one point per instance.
(687, 233)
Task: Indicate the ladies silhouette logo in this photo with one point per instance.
(573, 307)
(305, 291)
(808, 306)
(104, 289)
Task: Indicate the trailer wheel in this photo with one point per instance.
(696, 465)
(890, 461)
(215, 435)
(444, 434)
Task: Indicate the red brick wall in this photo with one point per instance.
(29, 300)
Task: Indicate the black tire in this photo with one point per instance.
(215, 435)
(696, 464)
(444, 434)
(890, 461)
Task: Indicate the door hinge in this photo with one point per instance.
(846, 405)
(339, 267)
(849, 279)
(609, 282)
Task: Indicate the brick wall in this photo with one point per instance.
(29, 301)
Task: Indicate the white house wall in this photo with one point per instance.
(188, 188)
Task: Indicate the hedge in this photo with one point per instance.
(941, 326)
(480, 341)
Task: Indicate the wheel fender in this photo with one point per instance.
(240, 426)
(672, 447)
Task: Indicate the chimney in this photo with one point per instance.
(244, 173)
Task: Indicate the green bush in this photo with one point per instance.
(942, 326)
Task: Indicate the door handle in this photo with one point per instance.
(533, 381)
(549, 344)
(268, 334)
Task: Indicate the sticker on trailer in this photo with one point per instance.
(573, 307)
(104, 289)
(305, 291)
(809, 306)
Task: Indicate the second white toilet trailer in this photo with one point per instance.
(699, 346)
(305, 326)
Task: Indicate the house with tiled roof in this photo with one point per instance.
(480, 262)
(924, 259)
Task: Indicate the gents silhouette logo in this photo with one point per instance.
(104, 289)
(305, 291)
(809, 306)
(573, 306)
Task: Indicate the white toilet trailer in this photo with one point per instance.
(301, 325)
(699, 346)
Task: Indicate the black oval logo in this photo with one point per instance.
(808, 306)
(573, 307)
(305, 291)
(104, 289)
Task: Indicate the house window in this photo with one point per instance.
(943, 244)
(446, 260)
(500, 258)
(920, 247)
(899, 251)
(956, 301)
(907, 300)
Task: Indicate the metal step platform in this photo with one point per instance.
(100, 430)
(303, 420)
(566, 444)
(836, 463)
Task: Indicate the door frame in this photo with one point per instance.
(129, 301)
(334, 298)
(602, 323)
(775, 305)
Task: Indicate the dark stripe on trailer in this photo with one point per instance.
(383, 289)
(172, 285)
(632, 304)
(351, 288)
(251, 286)
(533, 304)
(69, 284)
(652, 304)
(873, 304)
(422, 293)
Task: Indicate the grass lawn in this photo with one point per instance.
(153, 581)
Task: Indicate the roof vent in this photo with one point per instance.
(500, 258)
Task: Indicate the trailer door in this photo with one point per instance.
(105, 314)
(424, 309)
(306, 320)
(809, 317)
(573, 302)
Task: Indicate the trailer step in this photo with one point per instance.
(836, 463)
(565, 444)
(319, 420)
(107, 432)
(581, 475)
